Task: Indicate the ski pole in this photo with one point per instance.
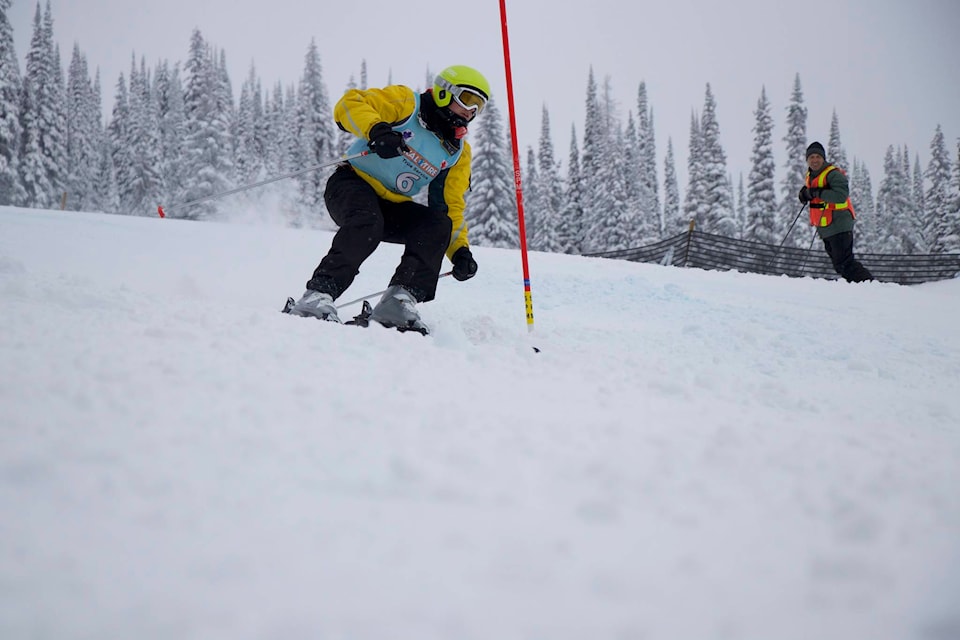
(162, 211)
(794, 223)
(809, 249)
(371, 295)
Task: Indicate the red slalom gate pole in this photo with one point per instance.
(517, 180)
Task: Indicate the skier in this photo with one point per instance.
(415, 141)
(828, 194)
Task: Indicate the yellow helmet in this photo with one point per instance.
(465, 85)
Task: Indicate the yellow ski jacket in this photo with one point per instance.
(358, 110)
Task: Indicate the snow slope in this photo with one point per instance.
(692, 454)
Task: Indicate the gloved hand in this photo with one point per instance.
(464, 266)
(385, 142)
(806, 195)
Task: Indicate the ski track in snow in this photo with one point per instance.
(692, 454)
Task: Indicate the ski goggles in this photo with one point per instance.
(467, 97)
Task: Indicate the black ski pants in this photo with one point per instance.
(365, 221)
(840, 249)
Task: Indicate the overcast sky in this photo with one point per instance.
(888, 68)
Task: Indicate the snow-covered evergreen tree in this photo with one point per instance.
(274, 153)
(118, 131)
(11, 189)
(795, 168)
(551, 189)
(716, 204)
(948, 232)
(673, 222)
(172, 127)
(593, 156)
(939, 203)
(570, 233)
(649, 205)
(83, 135)
(741, 209)
(922, 221)
(208, 156)
(533, 204)
(43, 123)
(631, 162)
(894, 204)
(491, 203)
(106, 197)
(145, 189)
(836, 154)
(611, 221)
(314, 132)
(694, 195)
(761, 222)
(861, 197)
(641, 203)
(248, 131)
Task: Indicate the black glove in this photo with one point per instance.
(385, 142)
(464, 266)
(806, 195)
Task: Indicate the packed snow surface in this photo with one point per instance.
(691, 454)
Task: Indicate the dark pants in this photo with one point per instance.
(365, 221)
(840, 249)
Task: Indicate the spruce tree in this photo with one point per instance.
(716, 204)
(11, 190)
(611, 222)
(83, 135)
(939, 202)
(673, 222)
(314, 132)
(647, 164)
(948, 236)
(247, 135)
(795, 168)
(741, 209)
(894, 204)
(121, 153)
(761, 220)
(861, 197)
(107, 198)
(172, 125)
(836, 154)
(146, 189)
(532, 201)
(632, 170)
(570, 234)
(591, 160)
(551, 189)
(274, 145)
(208, 155)
(43, 123)
(922, 221)
(694, 195)
(491, 203)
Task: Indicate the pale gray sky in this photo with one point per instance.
(888, 68)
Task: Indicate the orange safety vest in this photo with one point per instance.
(821, 213)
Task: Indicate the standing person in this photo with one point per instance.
(415, 141)
(827, 191)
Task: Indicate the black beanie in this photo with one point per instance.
(816, 148)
